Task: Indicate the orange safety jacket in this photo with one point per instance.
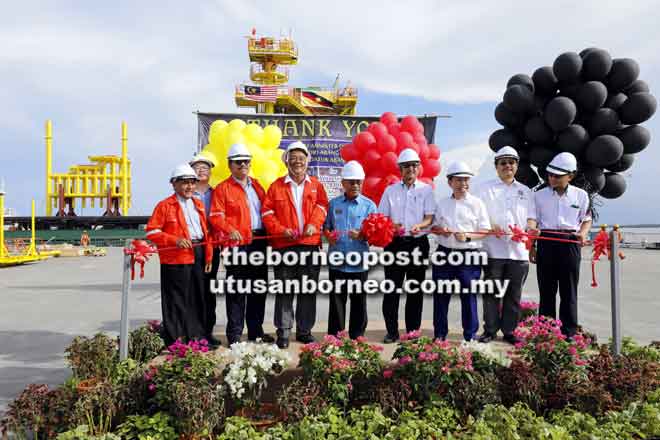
(278, 212)
(230, 208)
(167, 224)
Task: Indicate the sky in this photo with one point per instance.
(87, 66)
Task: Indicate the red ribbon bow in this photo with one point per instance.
(520, 236)
(139, 252)
(378, 229)
(601, 247)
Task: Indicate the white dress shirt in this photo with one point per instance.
(297, 193)
(192, 218)
(507, 204)
(464, 215)
(253, 203)
(407, 205)
(567, 211)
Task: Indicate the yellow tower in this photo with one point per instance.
(270, 59)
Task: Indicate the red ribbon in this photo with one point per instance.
(139, 252)
(601, 247)
(378, 229)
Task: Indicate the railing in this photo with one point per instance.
(257, 70)
(272, 45)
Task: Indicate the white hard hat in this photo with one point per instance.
(183, 171)
(561, 164)
(507, 152)
(239, 152)
(352, 170)
(459, 169)
(204, 157)
(297, 145)
(408, 155)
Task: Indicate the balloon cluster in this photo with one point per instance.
(377, 149)
(263, 143)
(587, 104)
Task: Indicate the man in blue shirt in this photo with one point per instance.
(344, 221)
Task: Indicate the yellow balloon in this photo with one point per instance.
(272, 137)
(216, 131)
(218, 124)
(233, 137)
(254, 134)
(237, 124)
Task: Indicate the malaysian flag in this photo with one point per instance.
(261, 93)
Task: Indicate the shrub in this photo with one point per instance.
(198, 409)
(301, 398)
(97, 408)
(519, 383)
(528, 309)
(26, 414)
(156, 427)
(144, 344)
(394, 396)
(342, 366)
(82, 432)
(94, 357)
(470, 394)
(630, 348)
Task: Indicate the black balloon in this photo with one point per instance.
(521, 79)
(503, 137)
(573, 139)
(545, 81)
(584, 52)
(634, 138)
(569, 89)
(604, 150)
(638, 86)
(523, 153)
(537, 132)
(519, 98)
(604, 121)
(540, 156)
(507, 117)
(596, 64)
(567, 67)
(591, 96)
(622, 164)
(526, 175)
(614, 101)
(615, 186)
(638, 108)
(560, 113)
(595, 177)
(623, 73)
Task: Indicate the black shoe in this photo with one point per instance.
(511, 339)
(283, 343)
(231, 341)
(390, 339)
(213, 342)
(305, 339)
(486, 338)
(441, 338)
(265, 338)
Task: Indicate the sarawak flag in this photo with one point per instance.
(261, 93)
(313, 98)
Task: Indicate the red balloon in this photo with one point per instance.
(434, 151)
(348, 152)
(421, 170)
(389, 163)
(409, 124)
(423, 152)
(370, 186)
(391, 178)
(405, 140)
(431, 168)
(428, 181)
(420, 127)
(372, 159)
(394, 129)
(378, 129)
(420, 139)
(386, 144)
(364, 141)
(388, 118)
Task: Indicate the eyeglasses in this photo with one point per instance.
(241, 162)
(410, 165)
(555, 176)
(187, 181)
(201, 167)
(505, 162)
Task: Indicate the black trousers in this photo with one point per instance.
(398, 274)
(507, 319)
(210, 300)
(247, 308)
(182, 299)
(558, 266)
(357, 322)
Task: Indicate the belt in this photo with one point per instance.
(409, 238)
(569, 231)
(259, 232)
(197, 240)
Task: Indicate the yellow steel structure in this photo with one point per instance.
(270, 58)
(106, 178)
(31, 254)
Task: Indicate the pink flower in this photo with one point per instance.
(342, 334)
(317, 353)
(349, 386)
(404, 360)
(152, 387)
(387, 374)
(572, 350)
(361, 339)
(375, 347)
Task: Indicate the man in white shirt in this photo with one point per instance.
(508, 202)
(461, 222)
(409, 203)
(560, 208)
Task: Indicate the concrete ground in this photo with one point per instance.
(44, 305)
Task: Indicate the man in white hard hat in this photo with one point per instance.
(202, 164)
(293, 212)
(410, 205)
(236, 211)
(178, 228)
(561, 209)
(345, 215)
(461, 222)
(508, 202)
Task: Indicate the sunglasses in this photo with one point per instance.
(410, 165)
(506, 162)
(241, 162)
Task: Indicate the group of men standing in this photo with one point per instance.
(294, 214)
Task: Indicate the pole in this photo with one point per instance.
(125, 290)
(33, 236)
(2, 219)
(615, 284)
(124, 169)
(49, 166)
